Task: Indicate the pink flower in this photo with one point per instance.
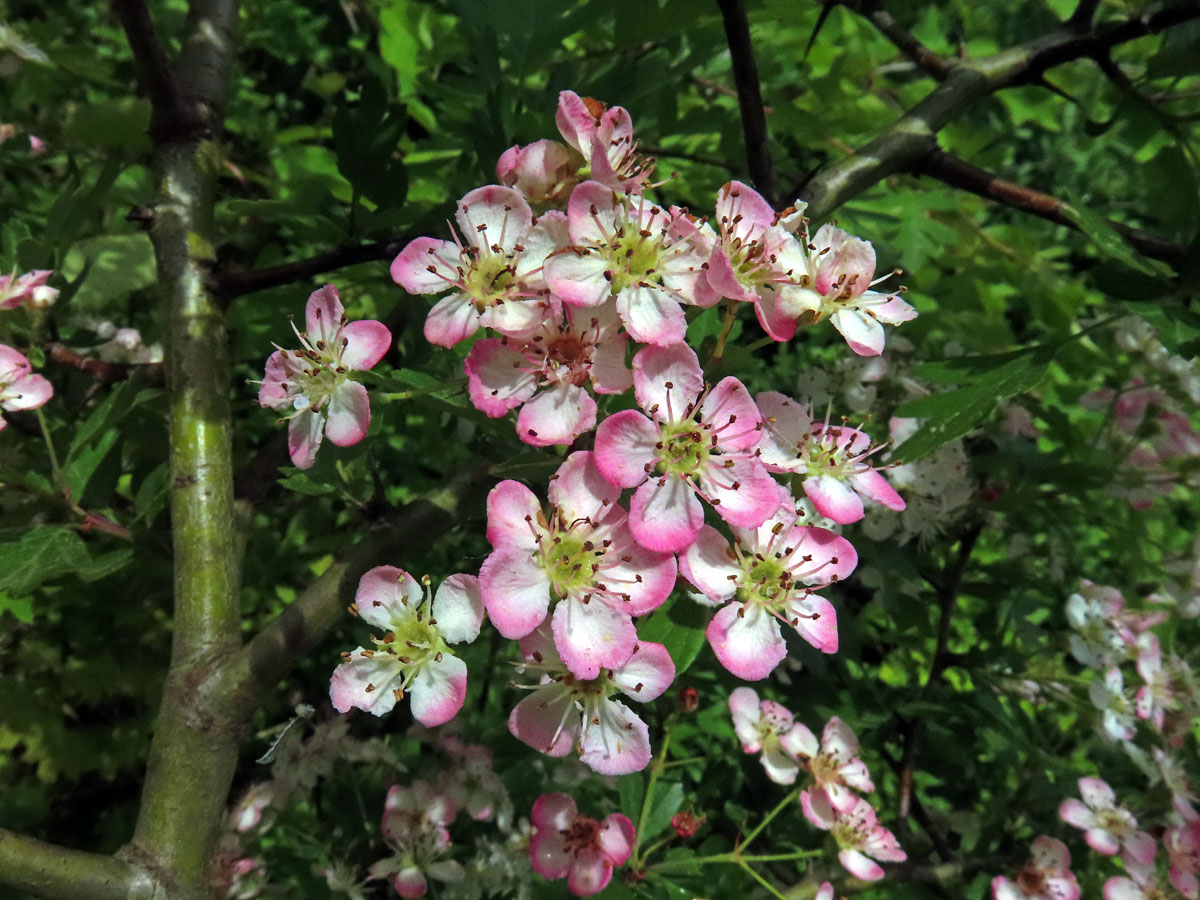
(1156, 694)
(581, 554)
(858, 833)
(1144, 886)
(1107, 827)
(30, 287)
(496, 276)
(564, 710)
(1093, 612)
(472, 784)
(413, 655)
(754, 257)
(839, 271)
(767, 577)
(768, 728)
(547, 373)
(314, 382)
(544, 171)
(604, 137)
(1108, 695)
(824, 892)
(582, 850)
(1047, 875)
(20, 388)
(414, 826)
(691, 444)
(832, 459)
(1182, 842)
(835, 766)
(249, 812)
(624, 246)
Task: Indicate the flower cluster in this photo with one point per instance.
(415, 821)
(580, 849)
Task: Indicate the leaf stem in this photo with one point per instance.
(60, 481)
(656, 770)
(788, 798)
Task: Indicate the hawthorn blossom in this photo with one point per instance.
(495, 276)
(1143, 886)
(766, 577)
(413, 655)
(544, 171)
(1092, 612)
(625, 247)
(563, 710)
(832, 459)
(1108, 695)
(28, 288)
(580, 554)
(604, 137)
(414, 826)
(824, 892)
(835, 766)
(582, 850)
(754, 257)
(1182, 843)
(1156, 694)
(314, 382)
(1047, 875)
(546, 373)
(838, 275)
(472, 784)
(763, 726)
(20, 387)
(688, 444)
(860, 837)
(1107, 826)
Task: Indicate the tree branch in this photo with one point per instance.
(171, 118)
(931, 63)
(749, 93)
(231, 285)
(1083, 15)
(900, 146)
(103, 372)
(958, 173)
(54, 872)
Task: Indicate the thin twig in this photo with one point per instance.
(101, 371)
(905, 41)
(961, 174)
(234, 284)
(170, 117)
(745, 76)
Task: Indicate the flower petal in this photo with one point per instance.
(665, 515)
(438, 691)
(647, 674)
(516, 592)
(592, 635)
(652, 315)
(556, 416)
(451, 320)
(458, 608)
(625, 448)
(349, 414)
(366, 343)
(746, 640)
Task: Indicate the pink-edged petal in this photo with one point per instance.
(451, 320)
(547, 236)
(1102, 841)
(743, 209)
(860, 865)
(746, 640)
(816, 808)
(410, 882)
(711, 566)
(625, 448)
(722, 280)
(834, 499)
(366, 683)
(1096, 793)
(591, 636)
(619, 744)
(779, 766)
(438, 692)
(656, 367)
(824, 892)
(553, 812)
(579, 491)
(832, 556)
(367, 341)
(744, 493)
(815, 620)
(516, 318)
(575, 122)
(1064, 887)
(323, 315)
(1140, 847)
(647, 674)
(1050, 854)
(872, 484)
(745, 712)
(652, 315)
(349, 414)
(383, 594)
(496, 380)
(892, 311)
(788, 426)
(304, 437)
(494, 218)
(1075, 812)
(427, 266)
(735, 420)
(577, 276)
(616, 838)
(556, 416)
(799, 741)
(1185, 882)
(862, 333)
(546, 720)
(609, 373)
(549, 854)
(458, 608)
(590, 873)
(1122, 889)
(645, 577)
(592, 213)
(29, 392)
(839, 739)
(665, 514)
(774, 320)
(512, 514)
(516, 592)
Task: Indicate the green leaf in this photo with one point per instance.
(40, 555)
(679, 625)
(366, 138)
(632, 789)
(1110, 242)
(301, 483)
(953, 413)
(666, 800)
(20, 607)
